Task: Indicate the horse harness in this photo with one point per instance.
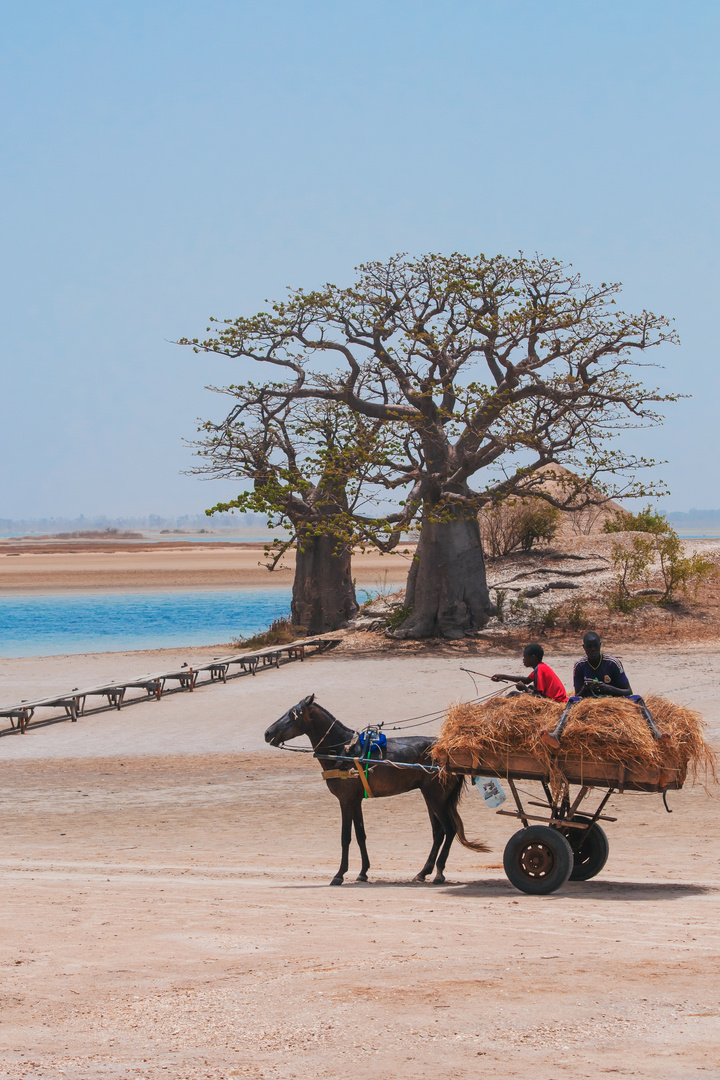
(365, 742)
(362, 744)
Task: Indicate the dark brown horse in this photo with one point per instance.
(337, 746)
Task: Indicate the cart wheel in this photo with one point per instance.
(591, 852)
(538, 860)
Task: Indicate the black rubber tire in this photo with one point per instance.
(538, 860)
(590, 853)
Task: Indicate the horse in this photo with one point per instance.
(331, 739)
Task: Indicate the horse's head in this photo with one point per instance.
(293, 723)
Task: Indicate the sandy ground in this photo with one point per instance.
(105, 565)
(166, 909)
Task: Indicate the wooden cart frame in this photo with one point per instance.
(539, 859)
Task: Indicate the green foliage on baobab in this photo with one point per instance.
(312, 464)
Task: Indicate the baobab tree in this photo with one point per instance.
(311, 464)
(493, 368)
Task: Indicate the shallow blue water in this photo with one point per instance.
(110, 622)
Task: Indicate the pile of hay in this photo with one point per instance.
(602, 730)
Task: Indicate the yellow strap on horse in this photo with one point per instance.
(364, 779)
(339, 774)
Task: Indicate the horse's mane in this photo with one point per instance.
(327, 715)
(326, 712)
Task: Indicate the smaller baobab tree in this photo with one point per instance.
(311, 465)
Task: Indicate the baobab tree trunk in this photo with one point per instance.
(323, 596)
(447, 587)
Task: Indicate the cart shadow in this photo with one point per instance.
(594, 890)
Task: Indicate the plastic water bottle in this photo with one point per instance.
(490, 790)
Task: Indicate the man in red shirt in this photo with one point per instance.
(542, 680)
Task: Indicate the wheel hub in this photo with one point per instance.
(537, 860)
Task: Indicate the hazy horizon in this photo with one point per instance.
(140, 521)
(241, 521)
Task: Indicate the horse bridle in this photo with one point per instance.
(293, 714)
(297, 712)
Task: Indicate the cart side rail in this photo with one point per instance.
(577, 770)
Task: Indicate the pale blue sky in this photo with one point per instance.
(164, 161)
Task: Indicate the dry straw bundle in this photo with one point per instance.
(604, 730)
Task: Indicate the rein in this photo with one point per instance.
(371, 762)
(326, 733)
(364, 766)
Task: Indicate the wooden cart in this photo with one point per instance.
(540, 858)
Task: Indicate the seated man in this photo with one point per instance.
(599, 674)
(542, 680)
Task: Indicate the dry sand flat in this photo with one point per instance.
(88, 566)
(166, 910)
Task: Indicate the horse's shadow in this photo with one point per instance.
(494, 886)
(501, 887)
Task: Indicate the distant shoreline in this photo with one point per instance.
(31, 545)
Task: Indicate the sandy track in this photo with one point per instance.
(360, 689)
(168, 915)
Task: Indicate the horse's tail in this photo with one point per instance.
(474, 845)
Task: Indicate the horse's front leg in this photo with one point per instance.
(360, 837)
(346, 806)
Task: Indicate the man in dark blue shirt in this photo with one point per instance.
(599, 674)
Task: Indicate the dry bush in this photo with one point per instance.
(517, 524)
(587, 521)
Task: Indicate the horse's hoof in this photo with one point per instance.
(361, 877)
(439, 880)
(419, 877)
(337, 881)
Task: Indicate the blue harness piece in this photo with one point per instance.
(378, 743)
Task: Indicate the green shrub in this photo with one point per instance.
(576, 617)
(647, 520)
(649, 540)
(618, 599)
(538, 523)
(680, 573)
(280, 632)
(398, 617)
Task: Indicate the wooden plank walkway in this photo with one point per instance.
(73, 702)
